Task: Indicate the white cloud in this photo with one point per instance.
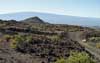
(53, 10)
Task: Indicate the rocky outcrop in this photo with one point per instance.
(33, 20)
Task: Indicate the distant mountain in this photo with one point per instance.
(53, 18)
(96, 27)
(33, 20)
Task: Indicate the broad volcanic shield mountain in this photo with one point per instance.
(53, 18)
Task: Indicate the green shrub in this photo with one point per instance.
(17, 39)
(29, 38)
(7, 37)
(98, 45)
(54, 37)
(77, 57)
(62, 60)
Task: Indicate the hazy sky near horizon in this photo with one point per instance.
(83, 8)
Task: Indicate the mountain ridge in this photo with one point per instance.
(33, 20)
(53, 18)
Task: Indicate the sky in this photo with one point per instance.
(82, 8)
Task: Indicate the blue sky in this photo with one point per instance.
(83, 8)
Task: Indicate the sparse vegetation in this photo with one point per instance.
(43, 41)
(76, 57)
(98, 45)
(17, 39)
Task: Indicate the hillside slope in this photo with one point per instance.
(33, 20)
(22, 42)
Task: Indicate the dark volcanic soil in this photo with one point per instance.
(38, 51)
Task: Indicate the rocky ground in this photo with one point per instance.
(49, 42)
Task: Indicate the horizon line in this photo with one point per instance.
(46, 13)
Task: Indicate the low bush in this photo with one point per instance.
(77, 57)
(97, 45)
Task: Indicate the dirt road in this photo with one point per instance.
(94, 51)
